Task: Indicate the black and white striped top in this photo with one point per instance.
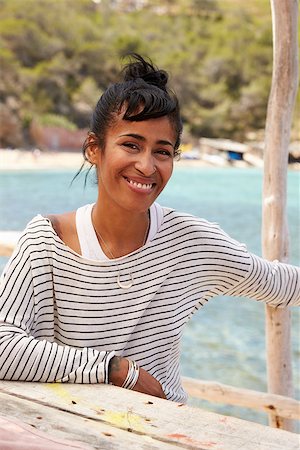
(62, 317)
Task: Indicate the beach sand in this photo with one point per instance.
(38, 160)
(15, 160)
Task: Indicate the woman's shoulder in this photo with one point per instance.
(184, 227)
(57, 224)
(171, 215)
(52, 229)
(37, 224)
(64, 226)
(37, 232)
(185, 223)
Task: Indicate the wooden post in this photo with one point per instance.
(274, 230)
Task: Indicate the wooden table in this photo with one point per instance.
(107, 417)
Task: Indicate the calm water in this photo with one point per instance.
(225, 340)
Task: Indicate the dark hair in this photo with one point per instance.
(144, 95)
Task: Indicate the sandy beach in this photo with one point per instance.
(38, 160)
(15, 160)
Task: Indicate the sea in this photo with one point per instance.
(225, 340)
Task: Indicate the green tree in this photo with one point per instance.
(58, 56)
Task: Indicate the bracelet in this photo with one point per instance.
(132, 375)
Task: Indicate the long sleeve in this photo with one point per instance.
(24, 357)
(274, 283)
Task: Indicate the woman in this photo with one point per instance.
(102, 294)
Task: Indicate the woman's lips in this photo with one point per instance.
(146, 187)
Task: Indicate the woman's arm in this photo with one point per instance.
(26, 358)
(146, 383)
(22, 357)
(274, 283)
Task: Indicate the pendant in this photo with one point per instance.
(126, 285)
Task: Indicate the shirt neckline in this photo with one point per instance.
(104, 261)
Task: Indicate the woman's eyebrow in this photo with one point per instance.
(142, 138)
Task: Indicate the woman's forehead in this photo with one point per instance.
(161, 127)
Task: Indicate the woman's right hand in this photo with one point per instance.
(147, 384)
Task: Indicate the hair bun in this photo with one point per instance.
(141, 69)
(159, 78)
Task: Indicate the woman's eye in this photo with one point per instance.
(131, 145)
(164, 153)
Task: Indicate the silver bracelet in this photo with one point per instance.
(128, 376)
(132, 375)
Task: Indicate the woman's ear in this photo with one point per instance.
(92, 149)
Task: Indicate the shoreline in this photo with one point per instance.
(35, 160)
(22, 160)
(19, 160)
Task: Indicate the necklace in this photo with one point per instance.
(121, 284)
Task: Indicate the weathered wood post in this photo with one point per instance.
(274, 230)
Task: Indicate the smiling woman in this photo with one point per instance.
(102, 294)
(133, 168)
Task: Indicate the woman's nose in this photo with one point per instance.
(145, 164)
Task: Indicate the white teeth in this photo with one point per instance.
(140, 185)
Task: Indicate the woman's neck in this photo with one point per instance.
(120, 232)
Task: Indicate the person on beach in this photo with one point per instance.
(102, 294)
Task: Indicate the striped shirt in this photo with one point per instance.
(63, 317)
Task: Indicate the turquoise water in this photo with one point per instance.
(225, 340)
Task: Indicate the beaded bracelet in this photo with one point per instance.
(132, 375)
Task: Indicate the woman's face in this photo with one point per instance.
(136, 163)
